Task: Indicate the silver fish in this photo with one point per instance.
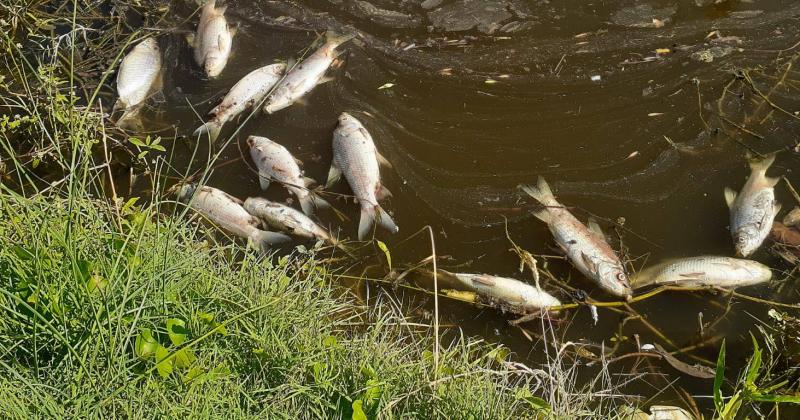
(586, 248)
(508, 291)
(287, 219)
(753, 209)
(212, 42)
(306, 75)
(792, 218)
(274, 162)
(246, 93)
(138, 77)
(227, 212)
(704, 271)
(355, 155)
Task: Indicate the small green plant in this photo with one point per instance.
(754, 386)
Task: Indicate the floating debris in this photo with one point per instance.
(644, 16)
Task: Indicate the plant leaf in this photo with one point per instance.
(176, 328)
(719, 377)
(163, 366)
(386, 252)
(146, 345)
(358, 411)
(754, 366)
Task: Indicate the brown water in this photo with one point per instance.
(471, 115)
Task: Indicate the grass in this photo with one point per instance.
(122, 306)
(147, 321)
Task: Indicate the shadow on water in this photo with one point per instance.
(638, 115)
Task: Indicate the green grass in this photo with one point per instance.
(85, 309)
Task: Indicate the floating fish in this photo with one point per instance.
(586, 248)
(753, 209)
(355, 156)
(303, 77)
(139, 77)
(212, 42)
(274, 162)
(287, 219)
(227, 212)
(246, 93)
(704, 271)
(511, 292)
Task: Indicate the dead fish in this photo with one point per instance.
(586, 248)
(507, 291)
(792, 218)
(212, 42)
(139, 77)
(227, 212)
(287, 219)
(753, 209)
(246, 93)
(274, 162)
(704, 271)
(355, 155)
(306, 75)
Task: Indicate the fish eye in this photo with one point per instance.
(621, 276)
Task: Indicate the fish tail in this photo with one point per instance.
(337, 38)
(212, 128)
(131, 119)
(761, 165)
(541, 192)
(368, 219)
(263, 240)
(311, 202)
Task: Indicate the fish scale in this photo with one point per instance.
(703, 271)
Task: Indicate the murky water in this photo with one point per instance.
(574, 91)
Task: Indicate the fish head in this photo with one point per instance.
(746, 241)
(149, 43)
(186, 191)
(614, 280)
(214, 64)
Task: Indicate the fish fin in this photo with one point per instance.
(131, 119)
(589, 263)
(776, 208)
(298, 161)
(730, 196)
(119, 104)
(190, 38)
(263, 240)
(220, 10)
(337, 38)
(761, 165)
(595, 228)
(368, 219)
(325, 79)
(232, 30)
(290, 62)
(484, 280)
(382, 193)
(303, 101)
(334, 174)
(220, 41)
(311, 202)
(541, 192)
(264, 181)
(212, 128)
(695, 276)
(382, 160)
